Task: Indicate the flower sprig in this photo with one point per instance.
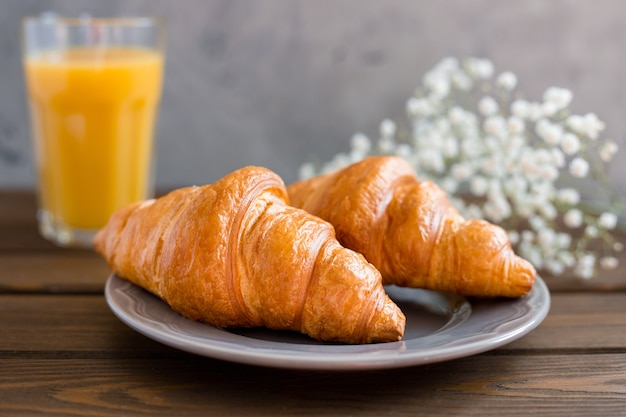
(532, 167)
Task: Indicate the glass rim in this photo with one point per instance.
(88, 20)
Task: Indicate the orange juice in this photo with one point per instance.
(93, 112)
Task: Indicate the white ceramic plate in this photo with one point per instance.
(439, 327)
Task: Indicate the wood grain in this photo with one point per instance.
(484, 385)
(63, 352)
(19, 237)
(17, 207)
(32, 323)
(46, 325)
(75, 271)
(582, 321)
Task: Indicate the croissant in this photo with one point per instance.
(234, 254)
(409, 231)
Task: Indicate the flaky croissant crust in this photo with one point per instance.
(409, 230)
(234, 254)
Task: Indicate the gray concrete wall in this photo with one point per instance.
(280, 82)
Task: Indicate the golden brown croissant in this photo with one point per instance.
(410, 232)
(234, 254)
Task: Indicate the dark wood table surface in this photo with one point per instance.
(64, 353)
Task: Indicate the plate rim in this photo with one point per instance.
(338, 357)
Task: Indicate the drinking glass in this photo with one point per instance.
(93, 87)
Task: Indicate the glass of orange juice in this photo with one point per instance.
(93, 86)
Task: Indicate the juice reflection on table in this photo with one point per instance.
(93, 112)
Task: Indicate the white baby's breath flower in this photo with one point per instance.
(553, 134)
(608, 221)
(386, 145)
(307, 170)
(514, 146)
(494, 190)
(570, 144)
(549, 172)
(419, 107)
(542, 156)
(538, 223)
(479, 185)
(579, 167)
(524, 207)
(541, 126)
(488, 106)
(555, 267)
(456, 115)
(534, 255)
(356, 155)
(546, 239)
(559, 97)
(585, 266)
(515, 185)
(339, 161)
(549, 109)
(575, 122)
(442, 126)
(563, 240)
(558, 158)
(591, 231)
(474, 212)
(472, 147)
(479, 68)
(497, 209)
(387, 128)
(496, 126)
(516, 125)
(492, 141)
(491, 212)
(507, 80)
(608, 150)
(583, 271)
(520, 108)
(448, 64)
(437, 83)
(567, 258)
(462, 81)
(529, 165)
(549, 211)
(592, 126)
(361, 143)
(492, 166)
(588, 125)
(573, 218)
(462, 171)
(543, 189)
(528, 236)
(406, 151)
(569, 196)
(609, 262)
(450, 147)
(432, 160)
(587, 260)
(450, 185)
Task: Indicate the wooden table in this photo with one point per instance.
(62, 352)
